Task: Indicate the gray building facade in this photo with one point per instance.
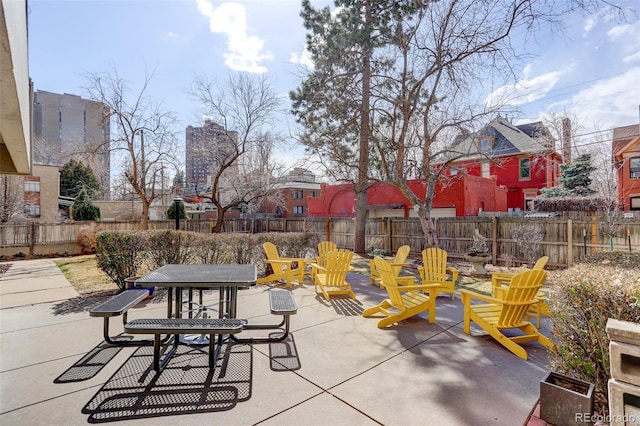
(66, 127)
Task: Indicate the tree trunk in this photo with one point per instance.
(144, 218)
(217, 226)
(363, 160)
(424, 214)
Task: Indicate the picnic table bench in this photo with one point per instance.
(281, 302)
(116, 306)
(160, 326)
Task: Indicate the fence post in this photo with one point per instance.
(594, 233)
(386, 230)
(569, 243)
(494, 240)
(436, 224)
(328, 226)
(32, 237)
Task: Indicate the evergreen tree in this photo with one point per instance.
(74, 176)
(83, 209)
(575, 179)
(333, 103)
(178, 179)
(171, 211)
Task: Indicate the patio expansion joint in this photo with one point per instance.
(62, 395)
(328, 390)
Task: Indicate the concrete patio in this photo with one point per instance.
(338, 368)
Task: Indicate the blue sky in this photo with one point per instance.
(593, 71)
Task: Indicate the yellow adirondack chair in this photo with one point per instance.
(500, 278)
(404, 301)
(498, 289)
(436, 271)
(324, 247)
(332, 277)
(498, 314)
(283, 267)
(398, 262)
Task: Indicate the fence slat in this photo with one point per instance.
(455, 235)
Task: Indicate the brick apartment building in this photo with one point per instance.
(626, 156)
(205, 147)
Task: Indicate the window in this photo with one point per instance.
(485, 145)
(485, 169)
(297, 195)
(634, 167)
(454, 170)
(634, 203)
(313, 193)
(298, 209)
(31, 186)
(32, 210)
(525, 171)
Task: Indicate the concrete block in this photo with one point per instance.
(625, 362)
(624, 404)
(623, 331)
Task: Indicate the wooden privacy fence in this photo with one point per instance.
(565, 241)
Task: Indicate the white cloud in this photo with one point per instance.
(609, 103)
(245, 52)
(525, 90)
(632, 58)
(303, 58)
(628, 38)
(621, 31)
(590, 23)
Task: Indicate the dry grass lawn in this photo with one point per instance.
(84, 275)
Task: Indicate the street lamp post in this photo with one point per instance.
(177, 202)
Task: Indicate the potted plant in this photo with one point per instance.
(478, 254)
(565, 400)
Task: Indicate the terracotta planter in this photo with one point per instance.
(565, 401)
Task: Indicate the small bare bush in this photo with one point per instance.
(528, 237)
(87, 238)
(583, 298)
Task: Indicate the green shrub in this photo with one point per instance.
(211, 248)
(582, 299)
(164, 247)
(120, 255)
(290, 244)
(123, 254)
(83, 209)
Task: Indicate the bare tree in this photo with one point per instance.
(44, 152)
(142, 135)
(424, 102)
(246, 107)
(11, 198)
(430, 58)
(605, 183)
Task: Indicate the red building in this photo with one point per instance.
(505, 167)
(626, 155)
(462, 196)
(521, 158)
